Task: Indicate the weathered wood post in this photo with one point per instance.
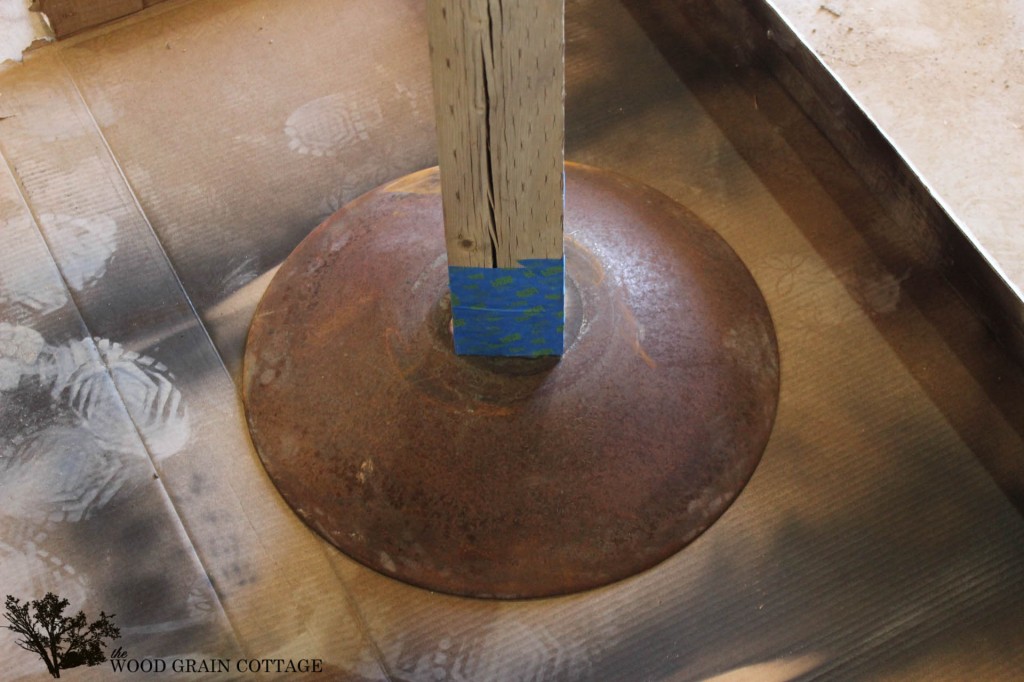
(498, 74)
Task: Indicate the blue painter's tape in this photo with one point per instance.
(509, 311)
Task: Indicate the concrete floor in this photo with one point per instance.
(945, 82)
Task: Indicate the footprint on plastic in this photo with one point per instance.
(326, 125)
(87, 243)
(144, 387)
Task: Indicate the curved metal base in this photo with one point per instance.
(510, 477)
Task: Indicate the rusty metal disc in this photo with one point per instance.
(518, 477)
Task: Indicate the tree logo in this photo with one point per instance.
(61, 641)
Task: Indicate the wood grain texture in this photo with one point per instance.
(498, 73)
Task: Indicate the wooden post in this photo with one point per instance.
(498, 74)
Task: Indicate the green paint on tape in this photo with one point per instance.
(519, 313)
